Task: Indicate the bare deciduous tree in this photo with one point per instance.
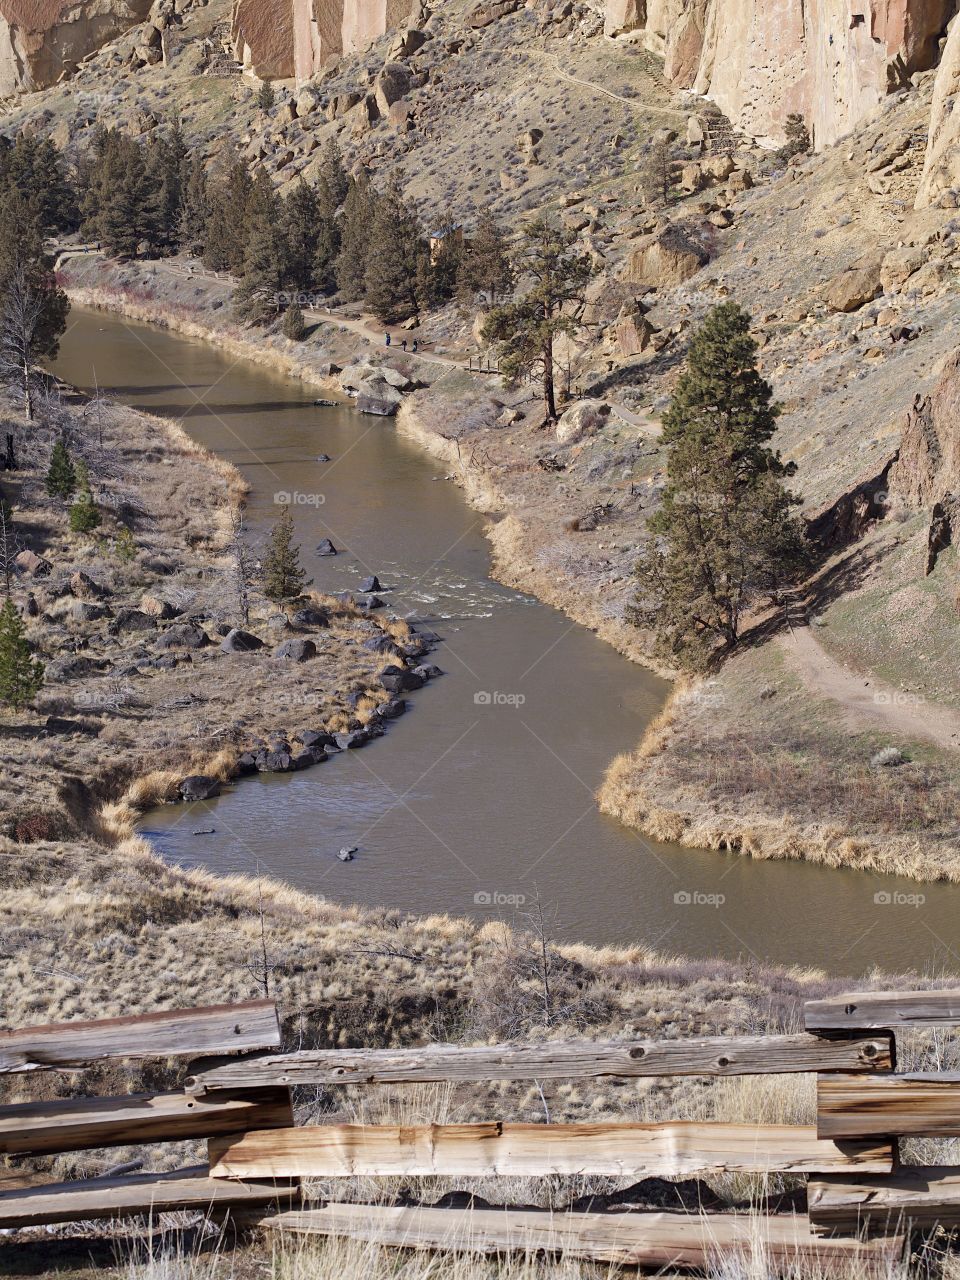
(20, 321)
(243, 566)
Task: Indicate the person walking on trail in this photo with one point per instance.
(404, 344)
(415, 344)
(387, 340)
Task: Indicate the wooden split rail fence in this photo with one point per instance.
(236, 1095)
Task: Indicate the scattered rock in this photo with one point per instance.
(199, 787)
(370, 584)
(326, 548)
(158, 608)
(296, 650)
(237, 641)
(186, 635)
(580, 419)
(852, 289)
(31, 565)
(82, 585)
(400, 680)
(888, 758)
(310, 618)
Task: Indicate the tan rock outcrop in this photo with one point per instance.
(665, 258)
(833, 61)
(928, 467)
(41, 39)
(279, 39)
(941, 169)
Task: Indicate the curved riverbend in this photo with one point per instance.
(482, 796)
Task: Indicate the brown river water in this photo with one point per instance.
(481, 796)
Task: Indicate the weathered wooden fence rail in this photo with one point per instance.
(236, 1095)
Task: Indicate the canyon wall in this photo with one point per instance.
(41, 39)
(831, 60)
(280, 39)
(941, 170)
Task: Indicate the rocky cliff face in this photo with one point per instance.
(831, 60)
(278, 39)
(928, 467)
(42, 39)
(941, 171)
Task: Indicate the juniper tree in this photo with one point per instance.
(484, 266)
(725, 533)
(194, 208)
(294, 325)
(283, 578)
(525, 331)
(21, 675)
(266, 96)
(61, 473)
(84, 516)
(226, 234)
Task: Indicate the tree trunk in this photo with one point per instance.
(27, 393)
(549, 398)
(9, 461)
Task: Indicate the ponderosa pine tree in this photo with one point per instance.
(61, 473)
(121, 203)
(265, 270)
(301, 230)
(166, 157)
(194, 208)
(356, 224)
(395, 250)
(283, 578)
(21, 675)
(333, 182)
(725, 533)
(226, 236)
(525, 331)
(332, 187)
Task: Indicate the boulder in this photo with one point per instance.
(89, 611)
(488, 11)
(382, 403)
(310, 618)
(390, 710)
(369, 600)
(351, 739)
(31, 565)
(316, 739)
(237, 641)
(370, 584)
(275, 761)
(83, 586)
(632, 331)
(854, 288)
(898, 266)
(185, 635)
(296, 650)
(158, 608)
(428, 670)
(400, 680)
(198, 787)
(132, 620)
(326, 548)
(581, 418)
(665, 258)
(620, 16)
(383, 644)
(392, 84)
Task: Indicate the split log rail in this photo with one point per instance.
(861, 1203)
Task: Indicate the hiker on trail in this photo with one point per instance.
(404, 344)
(415, 344)
(387, 343)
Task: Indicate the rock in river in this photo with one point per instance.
(400, 679)
(199, 787)
(326, 548)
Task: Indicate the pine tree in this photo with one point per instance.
(333, 183)
(656, 174)
(294, 325)
(525, 331)
(194, 209)
(355, 228)
(283, 578)
(61, 473)
(394, 252)
(484, 266)
(21, 675)
(301, 229)
(226, 239)
(84, 516)
(266, 96)
(265, 270)
(725, 533)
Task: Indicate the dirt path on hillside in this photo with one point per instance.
(868, 702)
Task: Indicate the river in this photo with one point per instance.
(480, 801)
